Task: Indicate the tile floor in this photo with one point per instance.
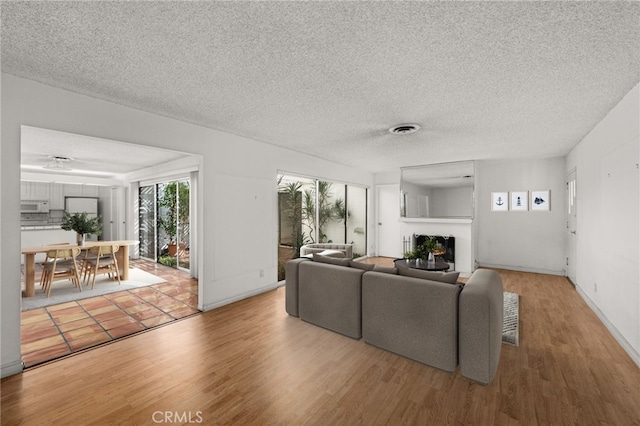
(59, 330)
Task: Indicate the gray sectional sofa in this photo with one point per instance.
(346, 250)
(425, 316)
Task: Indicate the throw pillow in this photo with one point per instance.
(331, 260)
(445, 277)
(385, 269)
(363, 266)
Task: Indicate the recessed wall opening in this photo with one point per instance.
(157, 291)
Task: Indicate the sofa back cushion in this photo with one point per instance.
(412, 317)
(330, 296)
(443, 277)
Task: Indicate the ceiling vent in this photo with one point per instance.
(404, 129)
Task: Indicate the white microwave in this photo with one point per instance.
(34, 206)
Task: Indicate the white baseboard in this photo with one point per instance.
(223, 302)
(11, 368)
(521, 269)
(635, 356)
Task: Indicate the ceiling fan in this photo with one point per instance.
(58, 163)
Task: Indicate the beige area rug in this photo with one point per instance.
(65, 291)
(510, 329)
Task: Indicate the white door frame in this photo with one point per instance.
(571, 235)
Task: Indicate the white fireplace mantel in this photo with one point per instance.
(467, 220)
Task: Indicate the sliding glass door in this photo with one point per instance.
(147, 208)
(164, 223)
(314, 210)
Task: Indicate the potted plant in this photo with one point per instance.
(426, 250)
(431, 247)
(328, 210)
(82, 224)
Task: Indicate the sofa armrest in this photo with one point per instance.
(291, 277)
(481, 317)
(412, 317)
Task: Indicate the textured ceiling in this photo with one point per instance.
(87, 155)
(482, 79)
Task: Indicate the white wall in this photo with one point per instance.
(530, 241)
(608, 193)
(237, 196)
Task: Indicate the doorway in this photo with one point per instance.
(164, 218)
(388, 217)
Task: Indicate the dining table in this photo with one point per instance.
(122, 256)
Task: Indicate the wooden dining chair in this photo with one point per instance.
(48, 260)
(88, 261)
(102, 260)
(61, 266)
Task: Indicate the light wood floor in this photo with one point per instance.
(250, 363)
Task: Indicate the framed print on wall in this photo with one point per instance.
(519, 201)
(499, 201)
(540, 201)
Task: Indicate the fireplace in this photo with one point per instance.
(447, 241)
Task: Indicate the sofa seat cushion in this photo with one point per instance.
(332, 253)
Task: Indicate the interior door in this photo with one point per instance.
(388, 215)
(122, 194)
(117, 221)
(571, 236)
(113, 201)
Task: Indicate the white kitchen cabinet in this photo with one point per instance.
(73, 190)
(90, 190)
(34, 190)
(56, 198)
(81, 190)
(24, 190)
(41, 190)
